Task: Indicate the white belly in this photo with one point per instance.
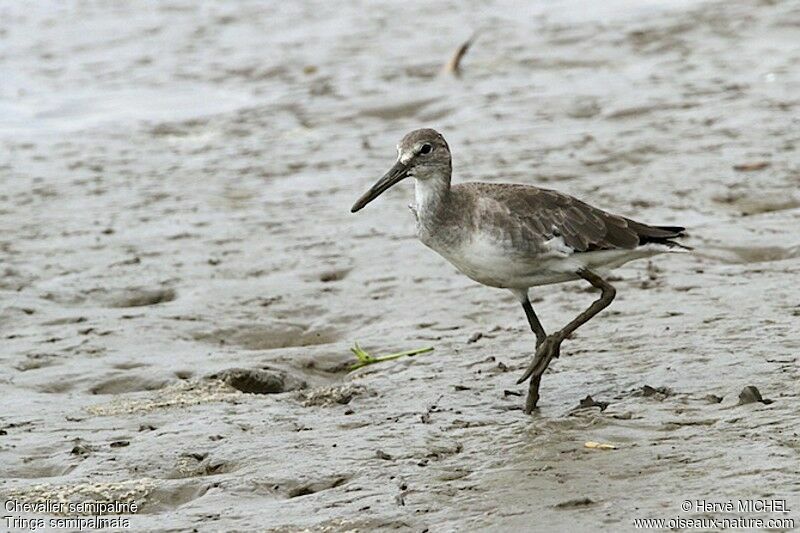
(493, 264)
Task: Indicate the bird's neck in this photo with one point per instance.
(431, 194)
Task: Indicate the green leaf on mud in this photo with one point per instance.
(365, 359)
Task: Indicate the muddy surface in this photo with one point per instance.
(181, 278)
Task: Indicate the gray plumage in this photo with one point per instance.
(516, 236)
(528, 216)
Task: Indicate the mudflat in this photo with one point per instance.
(181, 279)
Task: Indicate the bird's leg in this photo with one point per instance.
(533, 321)
(551, 346)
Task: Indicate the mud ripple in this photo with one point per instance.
(126, 383)
(267, 336)
(752, 254)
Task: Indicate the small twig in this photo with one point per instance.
(454, 65)
(365, 359)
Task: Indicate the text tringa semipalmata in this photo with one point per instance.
(514, 237)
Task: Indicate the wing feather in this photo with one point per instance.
(537, 215)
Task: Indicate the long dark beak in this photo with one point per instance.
(395, 174)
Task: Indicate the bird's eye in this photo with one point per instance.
(425, 149)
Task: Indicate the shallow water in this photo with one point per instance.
(176, 190)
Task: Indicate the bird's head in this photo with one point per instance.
(422, 154)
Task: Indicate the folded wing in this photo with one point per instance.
(547, 214)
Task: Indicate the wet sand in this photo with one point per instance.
(175, 205)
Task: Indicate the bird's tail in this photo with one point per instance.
(661, 235)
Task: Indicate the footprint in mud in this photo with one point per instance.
(658, 393)
(178, 129)
(168, 495)
(334, 275)
(125, 383)
(751, 254)
(114, 298)
(312, 488)
(577, 503)
(756, 204)
(398, 110)
(199, 464)
(267, 336)
(584, 107)
(13, 280)
(139, 297)
(129, 365)
(295, 488)
(328, 368)
(65, 320)
(50, 463)
(56, 387)
(34, 361)
(259, 381)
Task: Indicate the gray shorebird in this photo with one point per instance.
(515, 237)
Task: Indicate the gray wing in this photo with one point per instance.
(545, 214)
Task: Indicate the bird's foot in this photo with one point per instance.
(548, 350)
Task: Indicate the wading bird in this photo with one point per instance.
(515, 237)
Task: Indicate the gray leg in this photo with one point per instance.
(551, 346)
(533, 320)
